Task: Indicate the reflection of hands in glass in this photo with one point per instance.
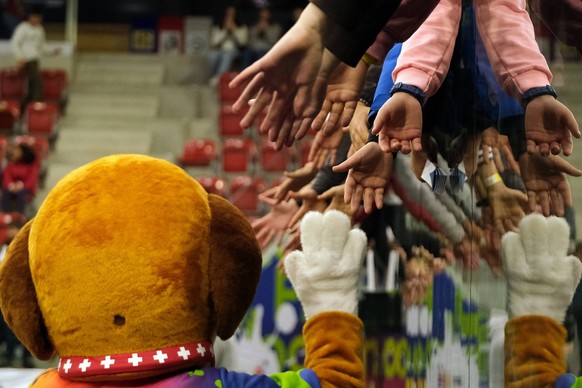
(369, 170)
(500, 146)
(272, 226)
(358, 127)
(507, 204)
(399, 124)
(549, 126)
(468, 251)
(546, 182)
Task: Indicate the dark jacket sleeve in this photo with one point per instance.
(326, 178)
(563, 18)
(356, 24)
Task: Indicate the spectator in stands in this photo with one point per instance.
(226, 42)
(12, 15)
(262, 36)
(28, 46)
(20, 180)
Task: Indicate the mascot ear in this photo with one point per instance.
(234, 267)
(18, 300)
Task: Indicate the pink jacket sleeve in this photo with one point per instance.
(425, 58)
(508, 35)
(409, 15)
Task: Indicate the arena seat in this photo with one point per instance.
(41, 119)
(230, 121)
(198, 152)
(9, 117)
(273, 160)
(213, 185)
(238, 155)
(244, 192)
(55, 86)
(12, 84)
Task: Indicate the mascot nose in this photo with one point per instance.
(118, 320)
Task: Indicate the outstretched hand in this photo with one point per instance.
(272, 226)
(369, 171)
(546, 183)
(549, 126)
(341, 97)
(399, 124)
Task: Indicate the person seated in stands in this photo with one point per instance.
(20, 180)
(262, 36)
(226, 42)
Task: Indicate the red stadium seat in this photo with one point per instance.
(41, 119)
(237, 155)
(226, 93)
(244, 191)
(54, 84)
(213, 185)
(198, 152)
(9, 116)
(230, 121)
(12, 84)
(273, 160)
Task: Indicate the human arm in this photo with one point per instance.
(16, 43)
(541, 282)
(325, 277)
(423, 63)
(521, 68)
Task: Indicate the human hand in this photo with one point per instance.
(272, 226)
(324, 148)
(399, 124)
(335, 196)
(325, 275)
(369, 171)
(490, 233)
(309, 202)
(546, 183)
(418, 275)
(507, 206)
(468, 252)
(294, 181)
(549, 126)
(358, 127)
(341, 98)
(499, 145)
(541, 277)
(287, 93)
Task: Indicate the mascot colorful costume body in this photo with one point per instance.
(131, 269)
(541, 279)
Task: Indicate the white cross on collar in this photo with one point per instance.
(84, 365)
(107, 362)
(160, 357)
(135, 359)
(184, 353)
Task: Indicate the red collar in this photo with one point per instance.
(171, 358)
